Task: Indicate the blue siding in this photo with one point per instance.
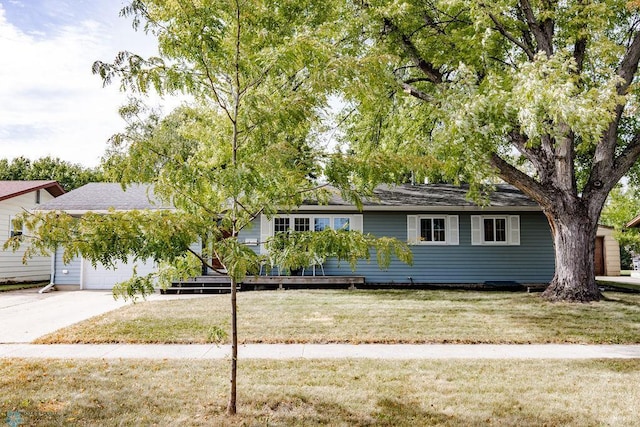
(530, 262)
(72, 275)
(251, 233)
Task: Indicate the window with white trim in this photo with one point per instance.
(280, 224)
(321, 223)
(433, 229)
(341, 223)
(13, 230)
(301, 224)
(495, 230)
(307, 222)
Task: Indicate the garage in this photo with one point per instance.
(101, 277)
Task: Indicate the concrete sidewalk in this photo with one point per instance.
(321, 351)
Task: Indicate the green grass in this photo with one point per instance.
(368, 317)
(315, 393)
(18, 286)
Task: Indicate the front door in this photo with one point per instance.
(599, 256)
(215, 262)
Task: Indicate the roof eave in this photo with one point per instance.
(635, 222)
(101, 211)
(413, 208)
(52, 188)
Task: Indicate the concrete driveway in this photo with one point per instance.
(26, 315)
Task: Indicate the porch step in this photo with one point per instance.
(201, 285)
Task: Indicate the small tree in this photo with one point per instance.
(245, 146)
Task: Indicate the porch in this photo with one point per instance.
(214, 284)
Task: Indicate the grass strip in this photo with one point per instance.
(315, 393)
(367, 316)
(19, 286)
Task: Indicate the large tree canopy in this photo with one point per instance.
(68, 175)
(542, 94)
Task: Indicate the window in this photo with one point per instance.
(301, 224)
(341, 223)
(15, 227)
(306, 222)
(432, 230)
(280, 225)
(37, 197)
(315, 223)
(495, 230)
(320, 224)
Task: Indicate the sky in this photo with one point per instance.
(50, 102)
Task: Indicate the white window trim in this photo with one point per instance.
(512, 231)
(451, 232)
(267, 229)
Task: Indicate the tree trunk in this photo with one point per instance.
(231, 408)
(574, 240)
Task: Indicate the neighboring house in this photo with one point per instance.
(454, 241)
(17, 197)
(607, 256)
(100, 198)
(635, 223)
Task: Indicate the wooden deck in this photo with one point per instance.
(222, 284)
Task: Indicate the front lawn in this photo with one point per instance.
(366, 316)
(318, 393)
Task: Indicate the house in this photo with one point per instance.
(607, 256)
(454, 241)
(17, 197)
(99, 198)
(635, 223)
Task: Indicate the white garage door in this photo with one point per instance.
(104, 278)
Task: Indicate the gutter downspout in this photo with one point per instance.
(51, 284)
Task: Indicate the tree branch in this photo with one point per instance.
(543, 32)
(603, 165)
(520, 142)
(522, 181)
(411, 90)
(502, 30)
(629, 65)
(626, 159)
(204, 262)
(429, 70)
(579, 52)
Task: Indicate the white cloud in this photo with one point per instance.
(50, 103)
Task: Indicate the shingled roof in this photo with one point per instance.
(9, 189)
(440, 196)
(100, 197)
(103, 196)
